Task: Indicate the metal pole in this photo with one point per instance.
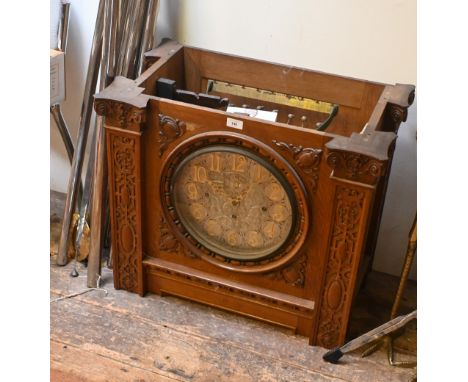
(86, 111)
(147, 42)
(63, 27)
(134, 38)
(82, 222)
(410, 252)
(56, 112)
(98, 208)
(124, 34)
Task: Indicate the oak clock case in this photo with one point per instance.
(275, 221)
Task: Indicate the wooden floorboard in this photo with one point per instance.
(120, 336)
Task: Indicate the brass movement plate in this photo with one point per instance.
(269, 96)
(233, 202)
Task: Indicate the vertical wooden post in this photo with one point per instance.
(124, 109)
(356, 172)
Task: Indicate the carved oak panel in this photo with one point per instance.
(341, 260)
(125, 200)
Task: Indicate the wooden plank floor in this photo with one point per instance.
(120, 336)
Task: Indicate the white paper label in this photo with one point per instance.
(235, 123)
(54, 80)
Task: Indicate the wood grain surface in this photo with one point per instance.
(123, 337)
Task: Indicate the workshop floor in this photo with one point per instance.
(119, 336)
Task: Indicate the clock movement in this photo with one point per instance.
(273, 219)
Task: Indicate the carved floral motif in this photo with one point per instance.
(307, 159)
(125, 210)
(342, 256)
(120, 114)
(168, 242)
(354, 166)
(293, 274)
(169, 130)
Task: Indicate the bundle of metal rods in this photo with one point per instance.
(124, 31)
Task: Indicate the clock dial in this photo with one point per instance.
(233, 202)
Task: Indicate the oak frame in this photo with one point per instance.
(345, 172)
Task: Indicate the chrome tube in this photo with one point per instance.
(63, 27)
(134, 38)
(85, 203)
(97, 206)
(123, 37)
(56, 113)
(123, 16)
(86, 111)
(99, 199)
(147, 41)
(114, 43)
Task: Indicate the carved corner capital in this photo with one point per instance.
(169, 130)
(122, 104)
(121, 115)
(397, 114)
(361, 158)
(400, 99)
(355, 167)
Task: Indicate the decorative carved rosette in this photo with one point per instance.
(120, 114)
(307, 159)
(125, 210)
(398, 114)
(169, 130)
(168, 242)
(354, 166)
(342, 253)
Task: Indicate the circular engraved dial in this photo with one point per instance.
(233, 202)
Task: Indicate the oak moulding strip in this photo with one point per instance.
(153, 264)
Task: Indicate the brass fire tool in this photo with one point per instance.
(384, 334)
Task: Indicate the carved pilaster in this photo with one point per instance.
(125, 189)
(169, 130)
(306, 158)
(343, 257)
(124, 109)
